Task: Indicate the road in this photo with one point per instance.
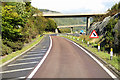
(66, 60)
(22, 66)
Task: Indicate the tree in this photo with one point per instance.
(109, 32)
(10, 23)
(51, 25)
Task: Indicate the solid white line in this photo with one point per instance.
(30, 58)
(108, 71)
(34, 55)
(22, 63)
(41, 62)
(16, 70)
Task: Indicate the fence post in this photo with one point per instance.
(98, 47)
(88, 43)
(111, 53)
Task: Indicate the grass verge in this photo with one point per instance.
(14, 54)
(115, 62)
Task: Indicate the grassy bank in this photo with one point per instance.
(14, 54)
(115, 62)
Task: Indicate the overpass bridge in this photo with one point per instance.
(88, 15)
(70, 26)
(72, 15)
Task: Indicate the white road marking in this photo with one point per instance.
(37, 51)
(22, 63)
(16, 70)
(44, 49)
(34, 55)
(33, 52)
(30, 58)
(21, 77)
(44, 46)
(17, 78)
(108, 71)
(41, 62)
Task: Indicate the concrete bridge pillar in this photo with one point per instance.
(71, 30)
(56, 30)
(87, 25)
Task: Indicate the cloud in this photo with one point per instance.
(74, 6)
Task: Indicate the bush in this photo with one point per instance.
(5, 50)
(14, 45)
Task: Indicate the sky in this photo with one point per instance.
(75, 6)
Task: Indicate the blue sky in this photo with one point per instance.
(75, 6)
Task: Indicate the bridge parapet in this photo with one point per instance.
(69, 26)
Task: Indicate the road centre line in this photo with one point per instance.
(22, 63)
(16, 70)
(104, 68)
(41, 62)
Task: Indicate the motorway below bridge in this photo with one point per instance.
(66, 60)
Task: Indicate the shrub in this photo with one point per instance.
(5, 50)
(14, 45)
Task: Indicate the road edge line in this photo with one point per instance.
(41, 62)
(19, 54)
(97, 61)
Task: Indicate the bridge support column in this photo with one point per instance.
(71, 30)
(87, 25)
(56, 30)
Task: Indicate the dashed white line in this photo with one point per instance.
(16, 70)
(22, 63)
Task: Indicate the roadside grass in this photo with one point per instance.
(115, 62)
(14, 54)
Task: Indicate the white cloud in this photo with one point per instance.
(73, 6)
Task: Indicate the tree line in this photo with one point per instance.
(19, 26)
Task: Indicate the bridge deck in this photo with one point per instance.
(72, 15)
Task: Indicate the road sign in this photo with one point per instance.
(82, 31)
(94, 34)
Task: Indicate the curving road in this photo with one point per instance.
(66, 60)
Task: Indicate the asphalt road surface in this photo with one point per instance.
(66, 60)
(21, 67)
